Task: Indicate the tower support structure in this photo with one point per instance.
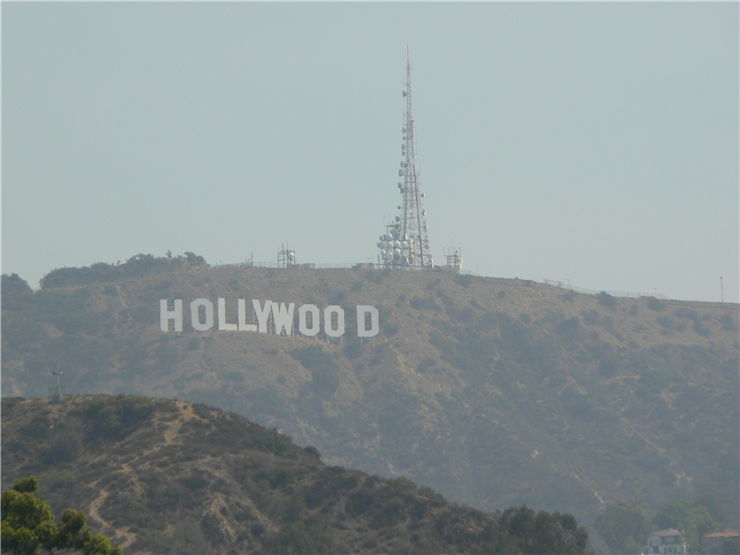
(405, 243)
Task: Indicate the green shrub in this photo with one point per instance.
(194, 481)
(606, 299)
(728, 322)
(427, 364)
(314, 358)
(113, 418)
(324, 369)
(463, 279)
(359, 503)
(568, 326)
(273, 442)
(65, 446)
(687, 313)
(60, 480)
(296, 538)
(623, 526)
(701, 329)
(13, 284)
(655, 304)
(423, 303)
(352, 347)
(670, 324)
(389, 514)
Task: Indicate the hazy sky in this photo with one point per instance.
(590, 142)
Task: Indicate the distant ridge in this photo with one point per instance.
(495, 392)
(586, 291)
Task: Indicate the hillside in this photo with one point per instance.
(495, 392)
(171, 477)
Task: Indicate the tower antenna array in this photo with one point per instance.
(405, 243)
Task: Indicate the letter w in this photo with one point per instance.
(282, 316)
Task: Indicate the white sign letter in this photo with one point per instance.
(302, 320)
(195, 314)
(282, 317)
(241, 316)
(263, 314)
(165, 315)
(222, 324)
(329, 328)
(364, 313)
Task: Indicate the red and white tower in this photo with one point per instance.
(406, 242)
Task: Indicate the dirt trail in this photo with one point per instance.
(128, 471)
(678, 471)
(122, 536)
(174, 426)
(595, 493)
(122, 296)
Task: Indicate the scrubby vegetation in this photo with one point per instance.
(169, 477)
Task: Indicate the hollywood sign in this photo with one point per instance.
(281, 318)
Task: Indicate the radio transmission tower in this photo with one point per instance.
(405, 243)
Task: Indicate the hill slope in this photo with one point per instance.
(495, 392)
(171, 477)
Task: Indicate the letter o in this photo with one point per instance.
(195, 320)
(328, 328)
(303, 321)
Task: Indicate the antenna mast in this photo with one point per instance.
(406, 242)
(56, 392)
